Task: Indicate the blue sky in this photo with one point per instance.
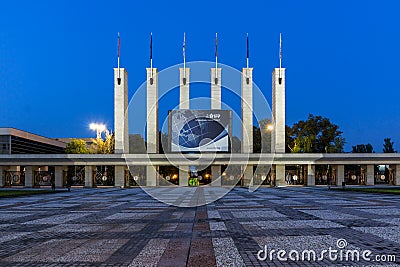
(56, 58)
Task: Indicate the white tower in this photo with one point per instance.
(247, 116)
(120, 111)
(184, 80)
(279, 113)
(152, 118)
(121, 136)
(278, 106)
(184, 88)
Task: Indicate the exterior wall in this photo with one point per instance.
(152, 111)
(370, 175)
(120, 112)
(247, 110)
(216, 89)
(310, 175)
(184, 102)
(216, 175)
(278, 110)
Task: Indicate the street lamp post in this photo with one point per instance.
(99, 128)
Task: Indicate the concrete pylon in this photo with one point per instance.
(29, 176)
(121, 134)
(278, 110)
(183, 175)
(88, 176)
(184, 88)
(370, 175)
(216, 104)
(152, 110)
(58, 176)
(247, 110)
(119, 176)
(216, 88)
(280, 175)
(340, 175)
(310, 175)
(397, 175)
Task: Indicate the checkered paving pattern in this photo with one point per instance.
(126, 227)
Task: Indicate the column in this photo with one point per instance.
(184, 88)
(58, 176)
(273, 175)
(2, 176)
(280, 175)
(152, 110)
(397, 175)
(121, 135)
(216, 104)
(151, 175)
(340, 175)
(216, 179)
(183, 175)
(278, 110)
(28, 176)
(88, 176)
(247, 175)
(370, 175)
(247, 110)
(310, 175)
(120, 176)
(215, 88)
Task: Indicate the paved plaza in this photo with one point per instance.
(126, 227)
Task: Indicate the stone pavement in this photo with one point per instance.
(126, 227)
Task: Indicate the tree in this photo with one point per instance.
(315, 135)
(100, 146)
(388, 146)
(77, 146)
(363, 148)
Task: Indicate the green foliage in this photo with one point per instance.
(363, 148)
(388, 146)
(315, 135)
(77, 146)
(100, 146)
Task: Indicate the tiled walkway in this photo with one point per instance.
(122, 227)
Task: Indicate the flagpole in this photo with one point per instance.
(151, 55)
(184, 55)
(280, 54)
(119, 44)
(216, 56)
(247, 54)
